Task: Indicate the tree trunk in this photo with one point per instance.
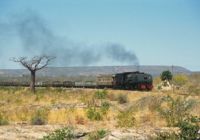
(32, 84)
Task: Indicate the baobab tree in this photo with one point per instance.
(33, 65)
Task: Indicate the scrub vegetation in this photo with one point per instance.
(105, 110)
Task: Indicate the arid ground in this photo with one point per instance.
(122, 114)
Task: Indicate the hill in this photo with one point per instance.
(92, 71)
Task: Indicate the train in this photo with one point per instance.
(126, 80)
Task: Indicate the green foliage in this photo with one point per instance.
(167, 136)
(180, 79)
(104, 107)
(159, 87)
(3, 120)
(175, 110)
(97, 135)
(166, 75)
(66, 133)
(126, 119)
(101, 94)
(40, 117)
(93, 114)
(122, 98)
(189, 128)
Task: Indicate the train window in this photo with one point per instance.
(145, 78)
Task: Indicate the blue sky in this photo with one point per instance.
(159, 32)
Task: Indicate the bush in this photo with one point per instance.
(104, 107)
(122, 98)
(97, 135)
(166, 75)
(175, 110)
(66, 133)
(180, 80)
(167, 136)
(40, 117)
(94, 114)
(125, 119)
(101, 94)
(3, 120)
(189, 128)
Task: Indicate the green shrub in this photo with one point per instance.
(122, 98)
(176, 109)
(125, 119)
(94, 114)
(166, 75)
(66, 133)
(97, 135)
(189, 128)
(159, 87)
(101, 94)
(104, 107)
(3, 120)
(167, 136)
(40, 117)
(180, 79)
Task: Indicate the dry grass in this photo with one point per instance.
(68, 106)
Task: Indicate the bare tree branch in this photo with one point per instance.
(47, 59)
(33, 65)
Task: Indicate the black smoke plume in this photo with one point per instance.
(29, 35)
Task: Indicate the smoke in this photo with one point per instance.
(29, 35)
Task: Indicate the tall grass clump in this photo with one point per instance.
(174, 110)
(94, 114)
(97, 135)
(122, 98)
(180, 80)
(166, 136)
(3, 120)
(40, 117)
(101, 94)
(189, 128)
(98, 107)
(104, 108)
(66, 133)
(126, 118)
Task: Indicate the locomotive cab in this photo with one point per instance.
(133, 80)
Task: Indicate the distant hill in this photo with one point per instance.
(93, 71)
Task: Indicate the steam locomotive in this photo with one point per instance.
(127, 80)
(133, 80)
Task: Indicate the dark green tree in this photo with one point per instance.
(166, 75)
